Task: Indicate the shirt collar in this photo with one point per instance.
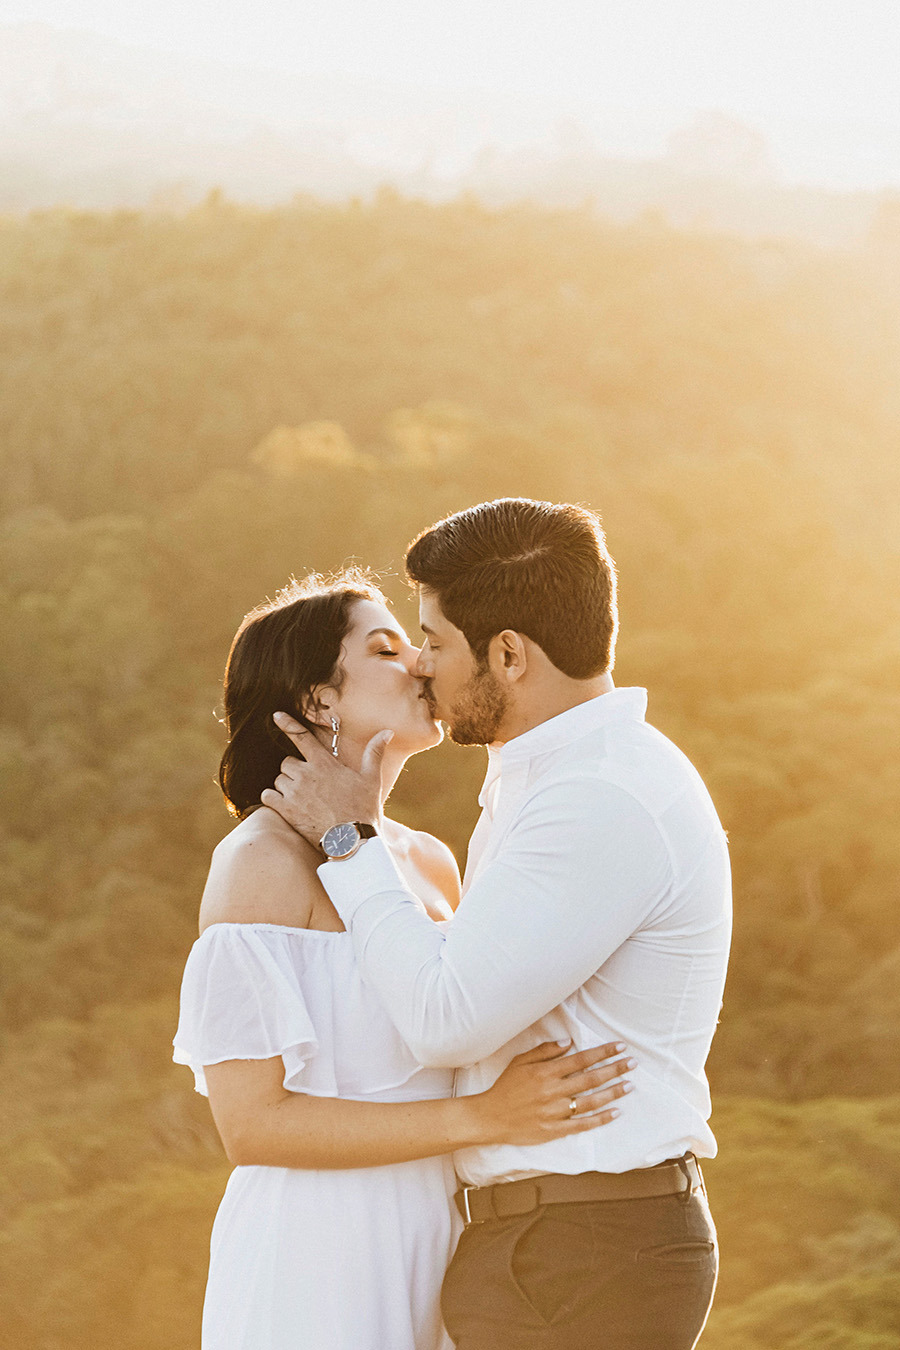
(619, 705)
(494, 766)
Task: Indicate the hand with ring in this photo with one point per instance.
(548, 1093)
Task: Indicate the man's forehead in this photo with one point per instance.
(431, 616)
(441, 632)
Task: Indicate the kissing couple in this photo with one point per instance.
(416, 1089)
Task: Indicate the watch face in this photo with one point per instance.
(341, 840)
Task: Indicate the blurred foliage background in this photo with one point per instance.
(195, 407)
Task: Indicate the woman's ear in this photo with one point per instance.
(316, 705)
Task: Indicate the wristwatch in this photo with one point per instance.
(342, 841)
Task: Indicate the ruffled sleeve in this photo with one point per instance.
(240, 999)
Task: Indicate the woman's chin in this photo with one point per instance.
(431, 735)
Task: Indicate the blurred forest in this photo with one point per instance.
(197, 406)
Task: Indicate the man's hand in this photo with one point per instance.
(320, 792)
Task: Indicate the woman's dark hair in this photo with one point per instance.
(281, 652)
(536, 568)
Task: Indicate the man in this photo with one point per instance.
(596, 907)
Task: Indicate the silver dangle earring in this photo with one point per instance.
(336, 729)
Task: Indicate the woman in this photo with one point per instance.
(335, 1228)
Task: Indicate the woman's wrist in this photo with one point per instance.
(482, 1120)
(473, 1122)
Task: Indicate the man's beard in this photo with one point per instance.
(479, 710)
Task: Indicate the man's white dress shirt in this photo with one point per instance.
(596, 906)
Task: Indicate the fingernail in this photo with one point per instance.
(280, 717)
(564, 1043)
(627, 1087)
(614, 1112)
(631, 1064)
(620, 1046)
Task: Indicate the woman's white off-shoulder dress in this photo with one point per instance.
(315, 1260)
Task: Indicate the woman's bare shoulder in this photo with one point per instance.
(261, 872)
(431, 857)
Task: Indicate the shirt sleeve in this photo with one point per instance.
(582, 868)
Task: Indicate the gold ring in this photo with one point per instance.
(573, 1106)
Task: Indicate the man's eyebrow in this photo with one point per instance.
(429, 632)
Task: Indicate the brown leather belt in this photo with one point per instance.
(678, 1176)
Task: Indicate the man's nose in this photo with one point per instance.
(424, 667)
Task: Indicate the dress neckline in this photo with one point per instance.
(277, 928)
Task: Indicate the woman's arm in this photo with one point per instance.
(262, 1124)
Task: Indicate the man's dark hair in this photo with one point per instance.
(537, 568)
(282, 650)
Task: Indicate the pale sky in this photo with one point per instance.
(777, 63)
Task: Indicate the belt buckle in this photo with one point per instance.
(467, 1210)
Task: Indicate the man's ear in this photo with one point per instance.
(508, 656)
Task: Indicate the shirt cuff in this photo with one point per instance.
(351, 881)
